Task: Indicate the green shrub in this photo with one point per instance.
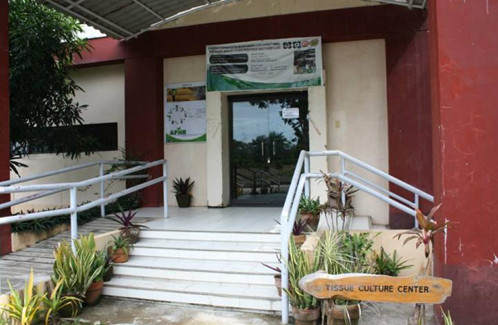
(77, 271)
(386, 264)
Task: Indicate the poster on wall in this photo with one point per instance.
(185, 112)
(266, 64)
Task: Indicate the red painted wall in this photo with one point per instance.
(405, 32)
(144, 117)
(332, 25)
(464, 74)
(5, 243)
(409, 118)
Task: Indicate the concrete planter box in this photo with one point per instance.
(21, 240)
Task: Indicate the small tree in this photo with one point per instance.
(42, 45)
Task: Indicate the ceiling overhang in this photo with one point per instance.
(410, 4)
(126, 19)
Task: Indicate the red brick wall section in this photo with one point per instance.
(144, 138)
(5, 244)
(464, 79)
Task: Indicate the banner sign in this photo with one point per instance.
(185, 112)
(266, 64)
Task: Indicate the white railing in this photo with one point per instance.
(12, 186)
(301, 183)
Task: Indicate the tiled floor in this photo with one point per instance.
(233, 219)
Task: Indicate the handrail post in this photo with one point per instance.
(74, 217)
(165, 189)
(343, 172)
(102, 194)
(284, 249)
(417, 206)
(307, 171)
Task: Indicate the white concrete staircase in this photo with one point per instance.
(221, 269)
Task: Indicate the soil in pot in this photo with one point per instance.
(73, 309)
(93, 293)
(299, 239)
(183, 200)
(119, 256)
(342, 314)
(131, 233)
(306, 316)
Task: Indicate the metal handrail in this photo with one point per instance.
(301, 183)
(8, 187)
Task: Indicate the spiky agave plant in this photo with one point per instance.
(299, 265)
(181, 186)
(25, 308)
(54, 303)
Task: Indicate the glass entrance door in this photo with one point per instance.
(268, 132)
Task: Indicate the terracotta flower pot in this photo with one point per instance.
(131, 233)
(311, 220)
(341, 314)
(299, 239)
(278, 283)
(93, 293)
(306, 316)
(119, 256)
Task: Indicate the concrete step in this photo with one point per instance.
(240, 267)
(221, 269)
(208, 245)
(195, 292)
(184, 274)
(219, 255)
(211, 236)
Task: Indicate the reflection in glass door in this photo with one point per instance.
(268, 132)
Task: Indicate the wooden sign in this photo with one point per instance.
(380, 288)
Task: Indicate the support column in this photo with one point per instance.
(144, 122)
(464, 79)
(409, 118)
(5, 242)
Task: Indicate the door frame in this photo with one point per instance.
(231, 99)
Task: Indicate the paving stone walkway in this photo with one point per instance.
(15, 267)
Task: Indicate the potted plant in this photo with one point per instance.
(25, 308)
(341, 252)
(277, 277)
(339, 203)
(56, 303)
(183, 191)
(120, 249)
(94, 291)
(75, 273)
(310, 211)
(425, 234)
(128, 229)
(298, 232)
(305, 308)
(386, 264)
(86, 249)
(109, 267)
